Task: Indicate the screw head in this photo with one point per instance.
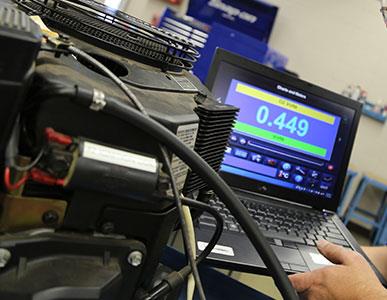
(50, 217)
(135, 258)
(5, 256)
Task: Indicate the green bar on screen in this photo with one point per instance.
(280, 139)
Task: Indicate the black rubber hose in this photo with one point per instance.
(128, 114)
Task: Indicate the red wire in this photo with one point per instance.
(13, 186)
(36, 175)
(57, 137)
(44, 178)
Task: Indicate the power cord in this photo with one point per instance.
(130, 115)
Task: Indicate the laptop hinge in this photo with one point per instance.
(271, 198)
(328, 211)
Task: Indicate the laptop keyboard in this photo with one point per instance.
(281, 226)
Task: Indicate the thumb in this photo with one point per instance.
(332, 252)
(301, 282)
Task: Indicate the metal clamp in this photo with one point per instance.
(98, 100)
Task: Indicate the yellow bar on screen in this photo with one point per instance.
(283, 102)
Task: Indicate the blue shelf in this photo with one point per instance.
(367, 111)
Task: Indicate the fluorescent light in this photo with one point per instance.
(113, 3)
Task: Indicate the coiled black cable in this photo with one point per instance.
(130, 115)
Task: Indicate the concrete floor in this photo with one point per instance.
(264, 284)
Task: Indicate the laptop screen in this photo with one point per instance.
(291, 139)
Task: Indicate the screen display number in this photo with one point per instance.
(294, 125)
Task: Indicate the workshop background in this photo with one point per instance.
(341, 46)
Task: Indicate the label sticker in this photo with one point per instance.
(218, 249)
(187, 134)
(119, 157)
(320, 259)
(184, 83)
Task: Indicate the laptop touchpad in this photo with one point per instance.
(313, 258)
(287, 255)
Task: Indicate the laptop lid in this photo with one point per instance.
(292, 139)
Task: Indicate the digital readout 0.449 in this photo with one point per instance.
(294, 125)
(276, 119)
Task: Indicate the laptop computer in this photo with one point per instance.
(287, 159)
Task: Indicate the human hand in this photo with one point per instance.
(351, 278)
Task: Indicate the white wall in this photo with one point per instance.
(146, 9)
(336, 43)
(331, 43)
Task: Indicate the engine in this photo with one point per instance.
(85, 201)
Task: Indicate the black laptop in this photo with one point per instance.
(287, 159)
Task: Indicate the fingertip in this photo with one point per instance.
(322, 243)
(332, 252)
(300, 282)
(293, 276)
(293, 279)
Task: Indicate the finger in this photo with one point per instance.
(332, 252)
(302, 282)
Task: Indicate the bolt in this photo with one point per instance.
(107, 228)
(64, 37)
(5, 256)
(50, 217)
(135, 258)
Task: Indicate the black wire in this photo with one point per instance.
(164, 287)
(12, 151)
(218, 229)
(184, 227)
(112, 76)
(128, 114)
(116, 108)
(157, 292)
(137, 103)
(31, 165)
